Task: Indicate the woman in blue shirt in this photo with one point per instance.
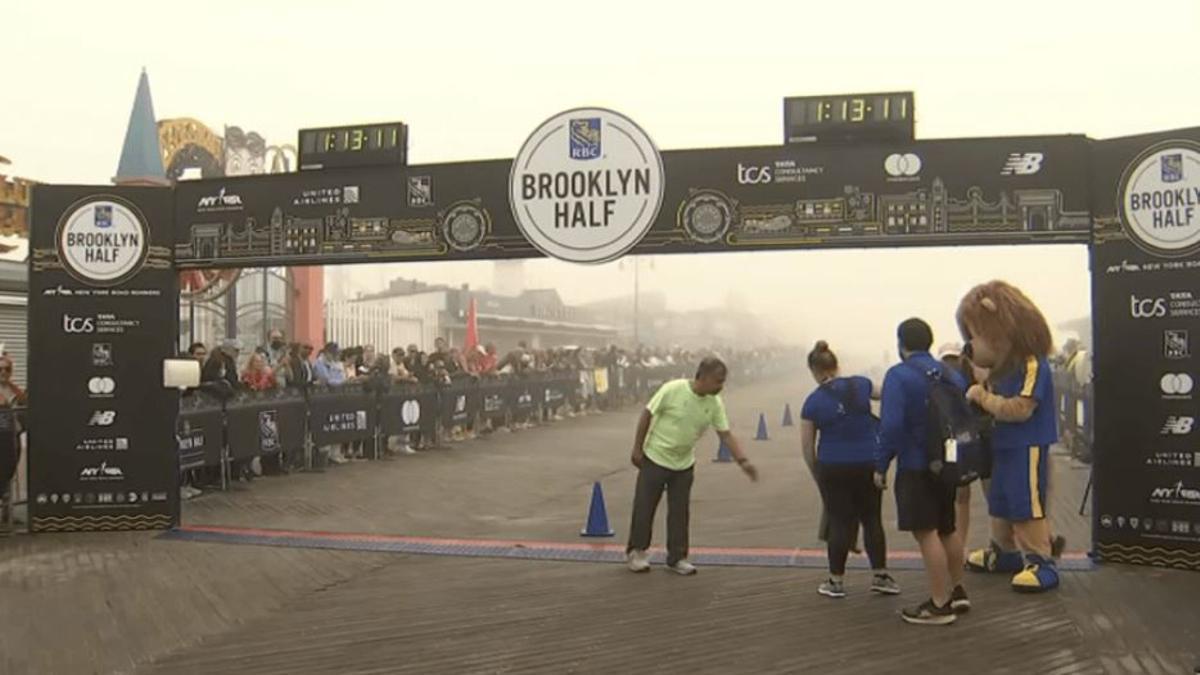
(838, 436)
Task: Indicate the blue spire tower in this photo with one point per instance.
(141, 157)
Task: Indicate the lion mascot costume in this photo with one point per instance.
(1009, 335)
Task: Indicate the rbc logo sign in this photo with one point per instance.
(585, 138)
(104, 217)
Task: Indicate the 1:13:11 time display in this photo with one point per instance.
(858, 109)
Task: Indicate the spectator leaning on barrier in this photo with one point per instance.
(328, 368)
(258, 376)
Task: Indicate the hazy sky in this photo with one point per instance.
(473, 79)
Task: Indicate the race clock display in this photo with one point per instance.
(359, 145)
(848, 118)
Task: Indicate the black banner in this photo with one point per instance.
(460, 402)
(264, 423)
(493, 399)
(201, 430)
(341, 414)
(102, 312)
(963, 191)
(406, 409)
(1146, 306)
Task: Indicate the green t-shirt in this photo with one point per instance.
(680, 418)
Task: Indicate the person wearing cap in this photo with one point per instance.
(950, 354)
(328, 369)
(329, 372)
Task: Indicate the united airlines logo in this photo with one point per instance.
(585, 138)
(1022, 164)
(1172, 168)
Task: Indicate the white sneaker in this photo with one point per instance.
(684, 567)
(407, 450)
(639, 561)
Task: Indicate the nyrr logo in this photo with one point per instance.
(220, 202)
(585, 138)
(78, 324)
(1022, 164)
(1176, 494)
(102, 472)
(1147, 308)
(753, 175)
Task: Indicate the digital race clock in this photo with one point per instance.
(854, 117)
(361, 145)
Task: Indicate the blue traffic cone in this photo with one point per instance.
(724, 454)
(787, 415)
(762, 428)
(597, 521)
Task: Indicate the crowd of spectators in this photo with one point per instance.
(228, 369)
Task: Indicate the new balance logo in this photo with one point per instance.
(103, 418)
(1178, 426)
(1022, 164)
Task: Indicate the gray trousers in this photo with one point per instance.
(651, 481)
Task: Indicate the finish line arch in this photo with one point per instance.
(105, 260)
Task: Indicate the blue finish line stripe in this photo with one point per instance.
(540, 550)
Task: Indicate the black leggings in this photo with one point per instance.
(850, 497)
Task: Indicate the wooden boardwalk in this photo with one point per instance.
(133, 603)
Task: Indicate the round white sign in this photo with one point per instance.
(1160, 199)
(586, 186)
(102, 242)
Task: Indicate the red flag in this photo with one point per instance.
(472, 339)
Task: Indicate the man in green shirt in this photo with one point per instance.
(665, 455)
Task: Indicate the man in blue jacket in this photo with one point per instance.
(924, 503)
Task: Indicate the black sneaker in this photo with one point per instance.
(929, 614)
(959, 602)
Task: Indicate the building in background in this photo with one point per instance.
(537, 317)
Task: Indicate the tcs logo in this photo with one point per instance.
(78, 324)
(753, 175)
(1147, 308)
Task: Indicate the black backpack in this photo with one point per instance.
(953, 444)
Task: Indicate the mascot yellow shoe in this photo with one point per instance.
(1040, 575)
(993, 559)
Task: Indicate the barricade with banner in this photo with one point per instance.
(342, 414)
(201, 433)
(265, 423)
(407, 409)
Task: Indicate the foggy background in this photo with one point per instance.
(854, 299)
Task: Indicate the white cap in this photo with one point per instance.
(949, 349)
